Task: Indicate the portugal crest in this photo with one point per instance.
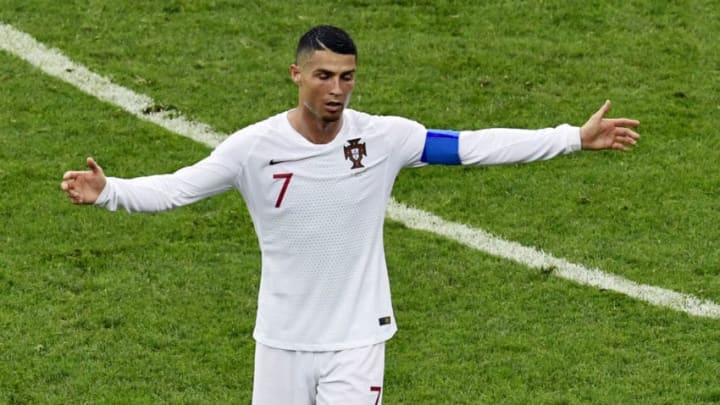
(355, 152)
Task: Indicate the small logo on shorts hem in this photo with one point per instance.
(385, 320)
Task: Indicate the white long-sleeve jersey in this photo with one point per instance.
(318, 211)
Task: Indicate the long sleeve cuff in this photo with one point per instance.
(104, 197)
(574, 142)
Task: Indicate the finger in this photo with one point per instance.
(604, 109)
(72, 195)
(627, 141)
(72, 175)
(93, 166)
(619, 146)
(624, 122)
(627, 133)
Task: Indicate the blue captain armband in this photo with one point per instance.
(441, 147)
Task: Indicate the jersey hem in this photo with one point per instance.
(325, 347)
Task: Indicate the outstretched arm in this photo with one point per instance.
(506, 145)
(608, 133)
(153, 193)
(84, 187)
(212, 175)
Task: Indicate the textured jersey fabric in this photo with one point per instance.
(318, 211)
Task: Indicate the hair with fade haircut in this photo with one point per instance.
(325, 38)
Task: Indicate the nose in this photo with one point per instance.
(336, 90)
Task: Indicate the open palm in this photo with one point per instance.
(608, 133)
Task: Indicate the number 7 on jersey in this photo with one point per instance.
(286, 183)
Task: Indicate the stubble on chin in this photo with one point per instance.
(325, 118)
(332, 118)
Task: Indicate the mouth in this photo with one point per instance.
(334, 106)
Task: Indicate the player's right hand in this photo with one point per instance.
(84, 187)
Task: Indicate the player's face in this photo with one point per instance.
(325, 81)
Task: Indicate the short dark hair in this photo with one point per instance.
(325, 37)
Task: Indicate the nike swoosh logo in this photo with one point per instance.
(278, 161)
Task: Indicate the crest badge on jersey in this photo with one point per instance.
(355, 152)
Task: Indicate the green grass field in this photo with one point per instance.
(100, 307)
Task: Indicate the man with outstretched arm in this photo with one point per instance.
(316, 180)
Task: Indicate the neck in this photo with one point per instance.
(313, 128)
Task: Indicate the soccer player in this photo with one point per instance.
(316, 180)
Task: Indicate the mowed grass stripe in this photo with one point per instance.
(54, 63)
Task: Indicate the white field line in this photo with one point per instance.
(531, 257)
(55, 64)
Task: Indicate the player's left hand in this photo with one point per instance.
(608, 133)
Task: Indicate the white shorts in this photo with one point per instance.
(347, 377)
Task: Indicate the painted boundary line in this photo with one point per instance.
(55, 64)
(531, 257)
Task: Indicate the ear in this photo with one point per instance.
(295, 74)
